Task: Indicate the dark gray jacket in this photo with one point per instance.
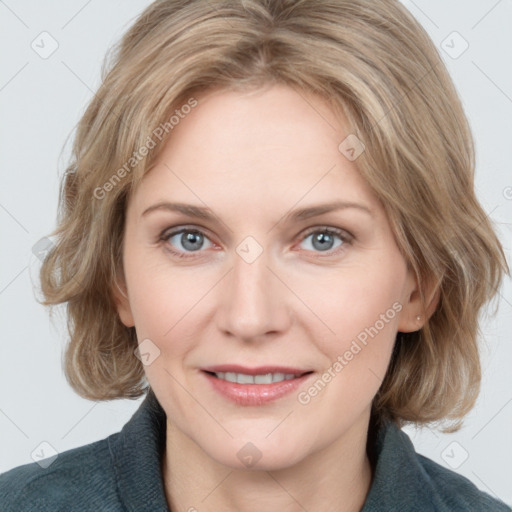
(122, 473)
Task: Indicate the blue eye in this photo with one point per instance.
(324, 240)
(191, 240)
(184, 242)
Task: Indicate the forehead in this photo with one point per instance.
(270, 146)
(234, 126)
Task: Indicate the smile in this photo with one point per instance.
(243, 378)
(259, 387)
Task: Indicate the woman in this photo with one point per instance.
(269, 227)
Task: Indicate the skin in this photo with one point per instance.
(251, 158)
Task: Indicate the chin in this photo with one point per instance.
(259, 454)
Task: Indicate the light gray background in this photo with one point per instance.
(41, 100)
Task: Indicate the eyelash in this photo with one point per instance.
(343, 235)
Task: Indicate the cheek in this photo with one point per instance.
(166, 305)
(361, 309)
(363, 315)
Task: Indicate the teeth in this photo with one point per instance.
(242, 378)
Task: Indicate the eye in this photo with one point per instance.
(326, 239)
(186, 240)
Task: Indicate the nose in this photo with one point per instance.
(253, 303)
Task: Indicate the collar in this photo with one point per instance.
(399, 480)
(136, 453)
(137, 450)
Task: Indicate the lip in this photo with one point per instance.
(254, 394)
(259, 370)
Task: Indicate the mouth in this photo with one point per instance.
(254, 386)
(265, 378)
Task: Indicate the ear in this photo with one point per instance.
(414, 314)
(122, 302)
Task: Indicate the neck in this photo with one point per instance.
(338, 477)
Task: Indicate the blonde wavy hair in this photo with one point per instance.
(370, 60)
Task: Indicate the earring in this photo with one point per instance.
(418, 318)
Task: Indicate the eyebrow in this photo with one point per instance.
(295, 215)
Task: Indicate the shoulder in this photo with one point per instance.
(452, 491)
(406, 480)
(82, 479)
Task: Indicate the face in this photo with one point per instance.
(260, 282)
